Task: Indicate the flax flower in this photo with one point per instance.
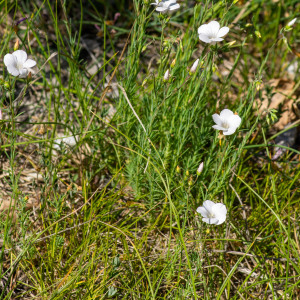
(17, 63)
(166, 5)
(212, 213)
(226, 121)
(211, 32)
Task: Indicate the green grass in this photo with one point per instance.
(115, 215)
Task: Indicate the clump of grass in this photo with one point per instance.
(114, 214)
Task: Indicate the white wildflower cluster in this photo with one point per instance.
(215, 213)
(226, 121)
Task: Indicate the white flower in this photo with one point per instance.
(167, 75)
(211, 32)
(200, 168)
(291, 23)
(17, 63)
(194, 66)
(226, 121)
(69, 141)
(164, 6)
(212, 213)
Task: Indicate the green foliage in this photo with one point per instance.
(114, 216)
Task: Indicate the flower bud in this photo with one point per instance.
(144, 82)
(173, 63)
(166, 43)
(144, 48)
(291, 23)
(194, 66)
(16, 46)
(257, 33)
(231, 43)
(214, 68)
(187, 173)
(257, 85)
(178, 169)
(200, 168)
(167, 75)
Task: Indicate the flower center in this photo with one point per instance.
(211, 215)
(19, 66)
(225, 124)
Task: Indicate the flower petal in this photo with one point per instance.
(174, 6)
(217, 39)
(223, 31)
(221, 220)
(169, 2)
(226, 114)
(9, 60)
(29, 63)
(20, 55)
(201, 210)
(235, 121)
(211, 221)
(207, 204)
(218, 127)
(204, 38)
(161, 9)
(204, 29)
(230, 131)
(214, 27)
(217, 119)
(13, 70)
(219, 209)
